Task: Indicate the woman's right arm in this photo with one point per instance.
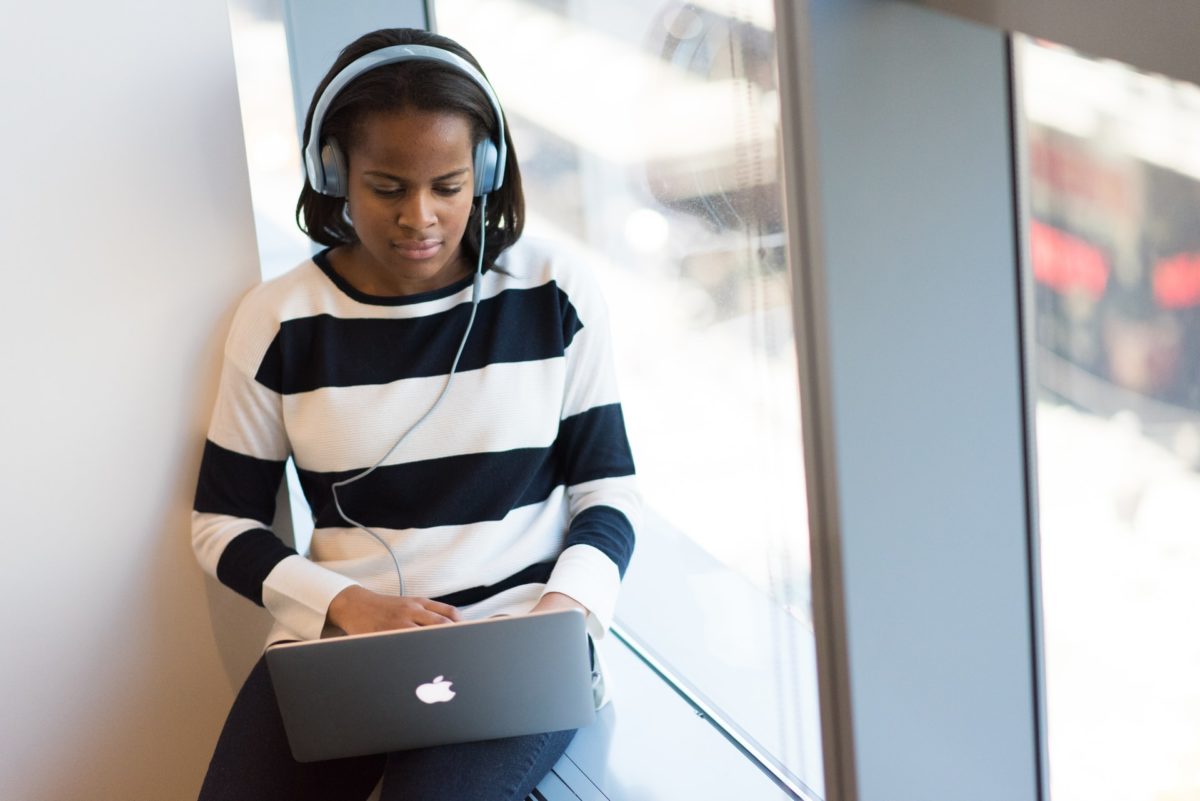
(357, 610)
(240, 474)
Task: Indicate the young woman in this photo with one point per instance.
(446, 392)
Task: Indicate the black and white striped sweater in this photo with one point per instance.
(520, 483)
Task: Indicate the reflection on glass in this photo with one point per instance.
(647, 133)
(1114, 204)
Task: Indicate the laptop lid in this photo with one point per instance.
(457, 682)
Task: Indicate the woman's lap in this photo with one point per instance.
(252, 762)
(491, 770)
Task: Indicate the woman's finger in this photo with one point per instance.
(428, 618)
(445, 610)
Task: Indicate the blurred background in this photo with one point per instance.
(1112, 159)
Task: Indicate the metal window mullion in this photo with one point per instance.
(1027, 332)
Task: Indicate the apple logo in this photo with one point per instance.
(435, 692)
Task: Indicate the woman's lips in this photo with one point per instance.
(417, 249)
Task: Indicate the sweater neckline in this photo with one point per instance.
(321, 259)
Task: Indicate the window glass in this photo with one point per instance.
(1113, 159)
(648, 136)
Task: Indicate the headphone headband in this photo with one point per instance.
(488, 162)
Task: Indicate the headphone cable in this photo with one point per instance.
(475, 288)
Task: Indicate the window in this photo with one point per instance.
(648, 136)
(1114, 227)
(260, 49)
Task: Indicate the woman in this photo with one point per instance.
(447, 395)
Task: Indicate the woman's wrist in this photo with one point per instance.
(343, 602)
(554, 601)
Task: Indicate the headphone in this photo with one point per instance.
(325, 162)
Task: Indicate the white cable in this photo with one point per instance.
(461, 345)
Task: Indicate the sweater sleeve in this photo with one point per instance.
(602, 497)
(240, 472)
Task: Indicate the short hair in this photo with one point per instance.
(419, 84)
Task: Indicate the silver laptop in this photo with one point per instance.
(373, 693)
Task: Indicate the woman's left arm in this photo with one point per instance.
(597, 462)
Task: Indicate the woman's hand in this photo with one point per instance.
(357, 610)
(553, 601)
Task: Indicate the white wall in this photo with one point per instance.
(127, 237)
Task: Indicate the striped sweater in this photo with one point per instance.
(520, 483)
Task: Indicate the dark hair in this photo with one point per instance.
(424, 85)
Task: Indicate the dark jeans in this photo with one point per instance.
(252, 762)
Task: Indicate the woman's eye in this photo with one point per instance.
(447, 190)
(387, 191)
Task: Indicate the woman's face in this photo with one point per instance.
(409, 197)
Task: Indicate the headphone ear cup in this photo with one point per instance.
(333, 164)
(485, 167)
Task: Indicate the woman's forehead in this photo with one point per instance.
(432, 140)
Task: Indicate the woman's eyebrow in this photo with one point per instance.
(455, 174)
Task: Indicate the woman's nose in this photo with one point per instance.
(416, 211)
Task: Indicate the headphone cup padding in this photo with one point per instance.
(485, 167)
(333, 164)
